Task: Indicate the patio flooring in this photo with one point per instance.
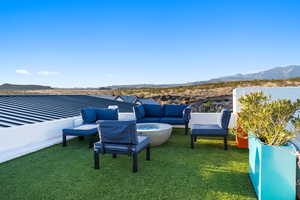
(175, 172)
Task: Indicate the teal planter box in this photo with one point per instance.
(272, 170)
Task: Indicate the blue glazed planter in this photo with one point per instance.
(272, 170)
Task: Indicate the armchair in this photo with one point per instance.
(120, 137)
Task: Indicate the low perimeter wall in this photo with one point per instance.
(21, 140)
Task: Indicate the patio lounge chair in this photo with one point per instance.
(212, 130)
(89, 126)
(120, 137)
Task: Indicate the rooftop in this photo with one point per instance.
(17, 110)
(174, 172)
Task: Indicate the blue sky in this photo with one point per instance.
(99, 43)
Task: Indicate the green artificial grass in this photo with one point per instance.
(174, 172)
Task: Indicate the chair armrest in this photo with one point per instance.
(187, 114)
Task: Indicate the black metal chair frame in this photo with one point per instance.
(194, 139)
(186, 127)
(134, 156)
(80, 137)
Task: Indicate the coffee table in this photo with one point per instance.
(158, 133)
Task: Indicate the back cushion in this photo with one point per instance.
(88, 115)
(225, 118)
(113, 131)
(139, 112)
(174, 110)
(106, 114)
(153, 110)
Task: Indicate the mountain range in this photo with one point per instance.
(276, 73)
(8, 86)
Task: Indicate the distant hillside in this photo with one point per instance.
(191, 94)
(140, 86)
(7, 86)
(195, 93)
(277, 73)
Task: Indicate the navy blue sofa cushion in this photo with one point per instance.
(174, 110)
(85, 129)
(121, 132)
(172, 120)
(207, 130)
(143, 142)
(153, 110)
(106, 114)
(139, 112)
(170, 114)
(88, 115)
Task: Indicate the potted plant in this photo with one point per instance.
(241, 137)
(272, 161)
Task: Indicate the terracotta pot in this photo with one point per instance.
(240, 141)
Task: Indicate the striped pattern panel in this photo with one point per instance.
(17, 110)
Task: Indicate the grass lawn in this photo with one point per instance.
(174, 172)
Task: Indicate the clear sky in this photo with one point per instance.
(97, 43)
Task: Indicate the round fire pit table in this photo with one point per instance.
(157, 132)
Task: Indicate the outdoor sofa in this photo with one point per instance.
(220, 129)
(168, 113)
(89, 127)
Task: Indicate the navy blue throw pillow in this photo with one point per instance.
(106, 114)
(88, 115)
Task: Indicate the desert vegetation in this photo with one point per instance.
(214, 94)
(202, 93)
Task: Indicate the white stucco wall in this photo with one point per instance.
(291, 93)
(21, 140)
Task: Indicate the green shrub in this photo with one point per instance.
(273, 122)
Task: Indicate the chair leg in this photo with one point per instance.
(148, 153)
(96, 160)
(64, 138)
(134, 162)
(225, 143)
(192, 142)
(195, 139)
(114, 155)
(186, 126)
(91, 142)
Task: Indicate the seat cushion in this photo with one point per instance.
(172, 120)
(106, 114)
(85, 129)
(139, 112)
(174, 110)
(88, 115)
(153, 110)
(208, 130)
(149, 120)
(143, 142)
